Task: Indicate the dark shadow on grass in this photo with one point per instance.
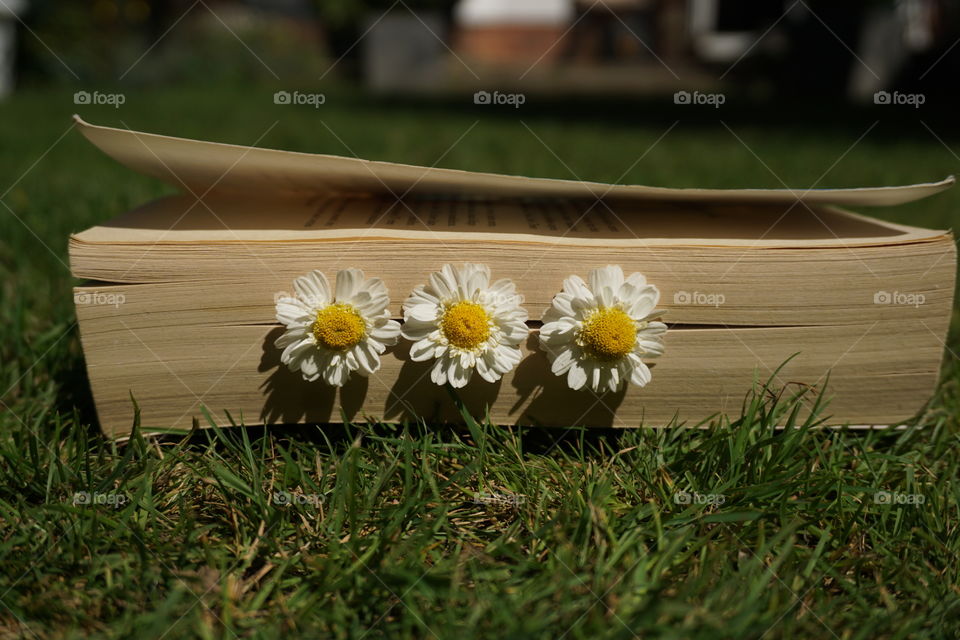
(337, 437)
(73, 385)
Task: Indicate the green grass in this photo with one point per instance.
(392, 531)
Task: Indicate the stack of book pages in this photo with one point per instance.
(178, 308)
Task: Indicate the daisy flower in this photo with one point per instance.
(598, 335)
(465, 323)
(331, 335)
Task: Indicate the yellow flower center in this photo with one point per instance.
(608, 333)
(465, 324)
(338, 327)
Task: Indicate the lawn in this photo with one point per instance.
(413, 531)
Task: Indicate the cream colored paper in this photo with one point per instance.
(207, 167)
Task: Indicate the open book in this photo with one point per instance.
(180, 312)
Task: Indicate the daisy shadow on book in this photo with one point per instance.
(289, 399)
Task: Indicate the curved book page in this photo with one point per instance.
(207, 167)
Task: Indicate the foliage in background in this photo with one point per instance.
(146, 42)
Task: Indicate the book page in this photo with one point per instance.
(201, 167)
(556, 221)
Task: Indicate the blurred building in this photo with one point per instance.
(9, 10)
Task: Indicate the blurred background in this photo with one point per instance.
(763, 49)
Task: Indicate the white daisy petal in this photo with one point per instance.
(576, 287)
(421, 295)
(310, 369)
(308, 364)
(485, 369)
(366, 358)
(290, 336)
(655, 328)
(636, 279)
(605, 282)
(562, 302)
(648, 346)
(376, 345)
(295, 350)
(423, 312)
(417, 330)
(596, 377)
(576, 376)
(351, 359)
(507, 358)
(293, 312)
(640, 375)
(386, 333)
(644, 302)
(374, 286)
(458, 375)
(422, 350)
(313, 289)
(348, 283)
(514, 332)
(558, 333)
(502, 290)
(613, 379)
(370, 305)
(439, 373)
(471, 280)
(444, 282)
(562, 362)
(334, 374)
